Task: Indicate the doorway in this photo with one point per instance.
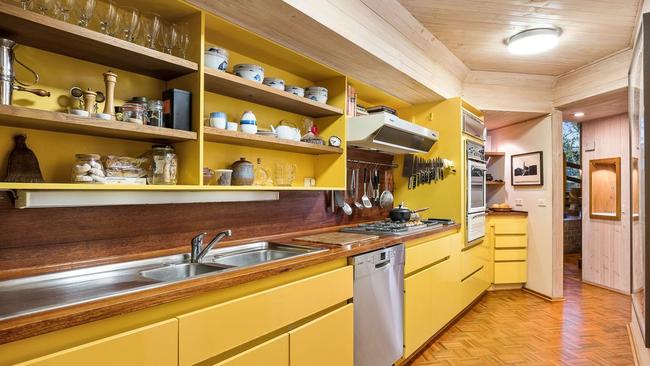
(572, 178)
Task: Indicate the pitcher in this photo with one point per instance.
(8, 81)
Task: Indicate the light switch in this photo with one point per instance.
(519, 202)
(590, 145)
(541, 202)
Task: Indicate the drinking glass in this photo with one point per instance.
(63, 9)
(25, 4)
(107, 16)
(169, 36)
(129, 22)
(183, 38)
(150, 23)
(43, 6)
(85, 9)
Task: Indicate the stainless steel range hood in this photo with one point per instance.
(387, 133)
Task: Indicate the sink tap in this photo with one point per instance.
(198, 252)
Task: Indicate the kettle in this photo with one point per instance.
(8, 81)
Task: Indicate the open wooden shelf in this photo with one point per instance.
(22, 117)
(494, 154)
(495, 183)
(40, 31)
(265, 142)
(234, 86)
(120, 187)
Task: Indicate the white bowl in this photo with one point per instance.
(104, 116)
(232, 126)
(252, 129)
(80, 112)
(317, 94)
(295, 90)
(274, 83)
(249, 72)
(216, 58)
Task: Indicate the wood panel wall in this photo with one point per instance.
(45, 240)
(606, 243)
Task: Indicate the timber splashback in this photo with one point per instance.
(52, 239)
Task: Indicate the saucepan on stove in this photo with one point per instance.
(402, 213)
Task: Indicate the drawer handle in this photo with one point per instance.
(471, 274)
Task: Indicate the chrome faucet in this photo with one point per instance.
(198, 252)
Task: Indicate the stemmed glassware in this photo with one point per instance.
(63, 9)
(85, 9)
(169, 36)
(183, 38)
(25, 4)
(43, 6)
(107, 16)
(151, 23)
(129, 22)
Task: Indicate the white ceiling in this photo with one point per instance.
(600, 106)
(474, 30)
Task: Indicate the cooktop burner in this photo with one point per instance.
(394, 228)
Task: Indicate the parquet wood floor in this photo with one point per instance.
(517, 328)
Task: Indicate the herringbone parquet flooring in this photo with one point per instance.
(517, 328)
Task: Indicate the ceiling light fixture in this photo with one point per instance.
(579, 114)
(532, 41)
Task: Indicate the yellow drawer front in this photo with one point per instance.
(510, 241)
(510, 255)
(154, 345)
(512, 226)
(211, 331)
(473, 258)
(510, 272)
(326, 341)
(418, 312)
(472, 286)
(271, 353)
(429, 252)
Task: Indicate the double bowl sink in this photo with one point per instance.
(29, 295)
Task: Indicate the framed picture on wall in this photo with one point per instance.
(527, 169)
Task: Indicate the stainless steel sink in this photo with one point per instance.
(257, 253)
(178, 272)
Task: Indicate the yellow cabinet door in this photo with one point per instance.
(326, 341)
(271, 353)
(427, 252)
(153, 345)
(418, 314)
(473, 286)
(510, 272)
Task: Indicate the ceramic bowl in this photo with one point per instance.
(317, 94)
(216, 58)
(274, 83)
(249, 72)
(252, 129)
(218, 120)
(231, 126)
(80, 112)
(295, 90)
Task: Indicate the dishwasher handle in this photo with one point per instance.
(382, 264)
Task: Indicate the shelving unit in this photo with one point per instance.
(234, 86)
(244, 139)
(43, 32)
(124, 187)
(14, 116)
(496, 192)
(492, 183)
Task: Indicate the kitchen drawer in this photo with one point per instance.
(510, 272)
(510, 226)
(428, 252)
(326, 341)
(473, 258)
(510, 255)
(211, 331)
(271, 353)
(153, 345)
(473, 286)
(510, 241)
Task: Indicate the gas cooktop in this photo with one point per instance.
(396, 228)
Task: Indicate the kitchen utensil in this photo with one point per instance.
(129, 22)
(402, 213)
(337, 238)
(150, 23)
(84, 11)
(377, 185)
(386, 198)
(22, 165)
(183, 38)
(63, 9)
(89, 97)
(107, 15)
(8, 81)
(242, 173)
(340, 201)
(364, 198)
(109, 81)
(354, 187)
(169, 36)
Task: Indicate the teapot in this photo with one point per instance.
(287, 130)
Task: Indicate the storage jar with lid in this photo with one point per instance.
(242, 173)
(155, 113)
(164, 165)
(134, 113)
(88, 168)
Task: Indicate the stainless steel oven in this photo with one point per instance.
(475, 190)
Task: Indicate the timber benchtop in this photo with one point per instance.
(508, 213)
(17, 328)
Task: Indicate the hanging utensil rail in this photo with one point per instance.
(373, 163)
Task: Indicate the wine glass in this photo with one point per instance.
(169, 36)
(129, 22)
(63, 9)
(183, 38)
(107, 16)
(85, 9)
(25, 4)
(43, 6)
(150, 23)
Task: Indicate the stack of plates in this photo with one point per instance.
(267, 133)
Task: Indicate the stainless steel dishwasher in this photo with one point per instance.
(379, 306)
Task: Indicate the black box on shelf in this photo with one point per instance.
(177, 109)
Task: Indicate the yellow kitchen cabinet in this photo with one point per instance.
(271, 353)
(472, 286)
(326, 341)
(509, 237)
(510, 272)
(422, 253)
(510, 255)
(154, 345)
(211, 331)
(428, 304)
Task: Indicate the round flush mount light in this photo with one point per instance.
(579, 114)
(532, 41)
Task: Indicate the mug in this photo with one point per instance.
(218, 120)
(231, 126)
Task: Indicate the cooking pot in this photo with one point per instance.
(402, 213)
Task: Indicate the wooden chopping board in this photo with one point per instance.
(338, 238)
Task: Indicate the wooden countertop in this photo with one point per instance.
(51, 320)
(509, 213)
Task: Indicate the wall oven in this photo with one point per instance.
(475, 190)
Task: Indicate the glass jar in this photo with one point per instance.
(164, 165)
(134, 113)
(155, 113)
(88, 168)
